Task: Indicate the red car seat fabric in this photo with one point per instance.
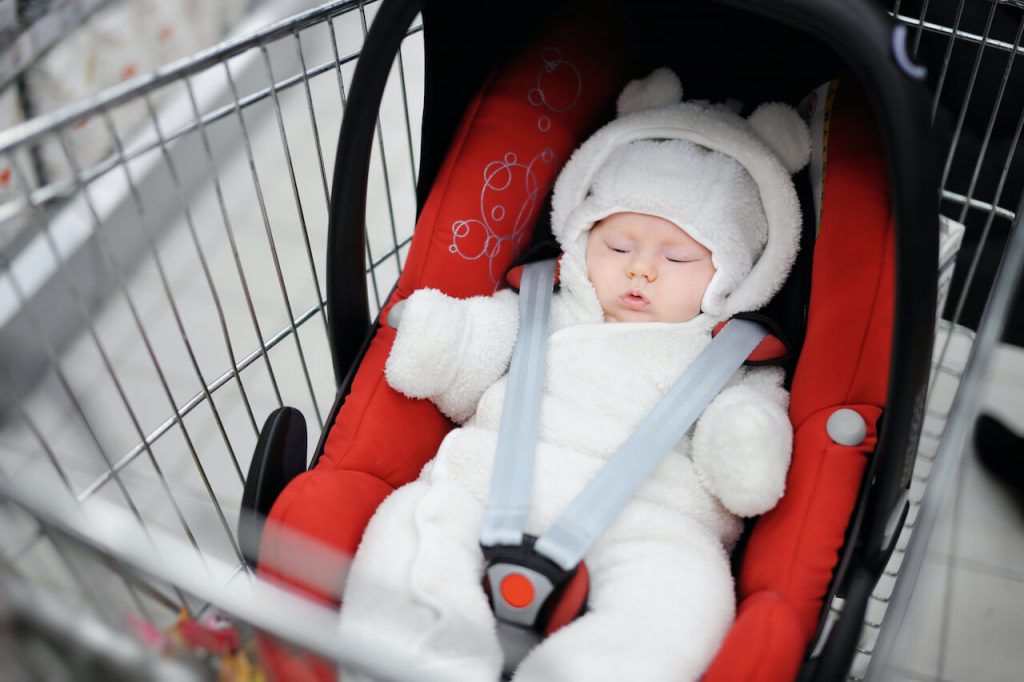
(794, 548)
(764, 641)
(519, 130)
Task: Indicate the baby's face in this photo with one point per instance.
(646, 269)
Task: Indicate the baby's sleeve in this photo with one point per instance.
(744, 440)
(450, 350)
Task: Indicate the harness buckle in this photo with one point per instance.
(529, 590)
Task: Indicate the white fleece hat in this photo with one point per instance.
(725, 180)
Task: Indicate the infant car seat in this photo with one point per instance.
(511, 90)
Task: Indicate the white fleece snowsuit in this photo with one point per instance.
(661, 595)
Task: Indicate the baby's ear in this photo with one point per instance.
(661, 88)
(785, 133)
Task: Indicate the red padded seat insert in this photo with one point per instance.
(794, 548)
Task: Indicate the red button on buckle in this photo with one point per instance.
(517, 590)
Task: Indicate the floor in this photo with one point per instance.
(966, 620)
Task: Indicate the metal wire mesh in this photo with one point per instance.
(169, 293)
(972, 51)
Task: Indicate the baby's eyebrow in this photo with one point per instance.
(619, 238)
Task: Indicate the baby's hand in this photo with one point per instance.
(741, 449)
(423, 358)
(449, 350)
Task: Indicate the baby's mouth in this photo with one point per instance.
(634, 300)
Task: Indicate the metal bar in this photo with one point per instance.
(145, 442)
(963, 36)
(63, 189)
(132, 89)
(111, 265)
(992, 212)
(966, 100)
(344, 104)
(135, 583)
(266, 221)
(190, 224)
(408, 123)
(37, 434)
(23, 550)
(76, 576)
(373, 274)
(56, 540)
(337, 63)
(320, 165)
(983, 239)
(211, 165)
(389, 254)
(305, 234)
(198, 399)
(280, 613)
(30, 43)
(51, 352)
(215, 297)
(87, 647)
(920, 27)
(387, 175)
(992, 118)
(945, 61)
(953, 197)
(239, 570)
(44, 532)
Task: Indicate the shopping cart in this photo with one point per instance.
(170, 290)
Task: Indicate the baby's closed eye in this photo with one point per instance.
(619, 246)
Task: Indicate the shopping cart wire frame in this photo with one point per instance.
(76, 196)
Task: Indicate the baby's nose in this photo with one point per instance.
(641, 267)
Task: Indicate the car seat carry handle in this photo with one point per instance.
(634, 461)
(512, 478)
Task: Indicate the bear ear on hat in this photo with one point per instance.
(780, 127)
(661, 88)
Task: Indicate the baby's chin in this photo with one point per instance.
(633, 316)
(626, 315)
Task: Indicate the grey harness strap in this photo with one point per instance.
(512, 479)
(633, 462)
